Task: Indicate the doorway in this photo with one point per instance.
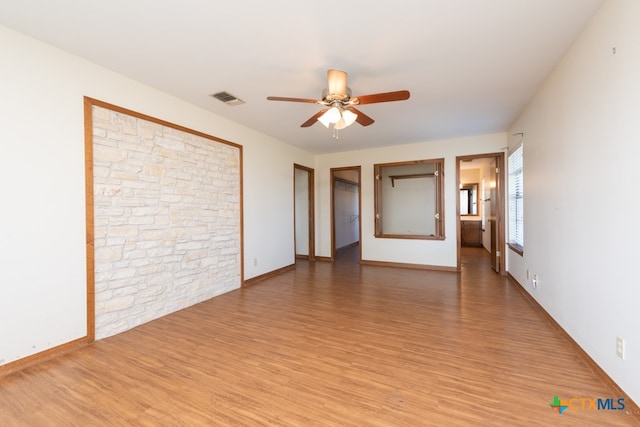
(480, 206)
(303, 206)
(346, 207)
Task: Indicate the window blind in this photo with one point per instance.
(516, 198)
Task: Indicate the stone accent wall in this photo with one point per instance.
(167, 220)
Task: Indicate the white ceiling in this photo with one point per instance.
(471, 65)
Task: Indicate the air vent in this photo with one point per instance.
(227, 98)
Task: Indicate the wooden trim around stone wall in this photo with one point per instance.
(89, 219)
(89, 103)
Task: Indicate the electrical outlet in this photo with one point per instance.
(534, 282)
(255, 262)
(620, 347)
(528, 275)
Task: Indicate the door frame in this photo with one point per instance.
(500, 206)
(333, 179)
(311, 210)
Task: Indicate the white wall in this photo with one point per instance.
(425, 252)
(581, 149)
(42, 220)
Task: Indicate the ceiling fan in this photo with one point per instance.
(340, 110)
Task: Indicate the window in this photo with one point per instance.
(408, 200)
(516, 201)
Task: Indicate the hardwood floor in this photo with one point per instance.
(326, 344)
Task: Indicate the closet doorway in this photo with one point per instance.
(346, 207)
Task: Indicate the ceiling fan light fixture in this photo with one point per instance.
(340, 124)
(332, 115)
(349, 117)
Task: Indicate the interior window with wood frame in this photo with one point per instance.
(409, 199)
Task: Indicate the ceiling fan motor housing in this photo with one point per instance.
(329, 97)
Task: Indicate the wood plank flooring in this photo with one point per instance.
(325, 345)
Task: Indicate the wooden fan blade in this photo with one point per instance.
(313, 119)
(283, 98)
(362, 118)
(399, 95)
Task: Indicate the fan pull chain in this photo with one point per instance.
(335, 133)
